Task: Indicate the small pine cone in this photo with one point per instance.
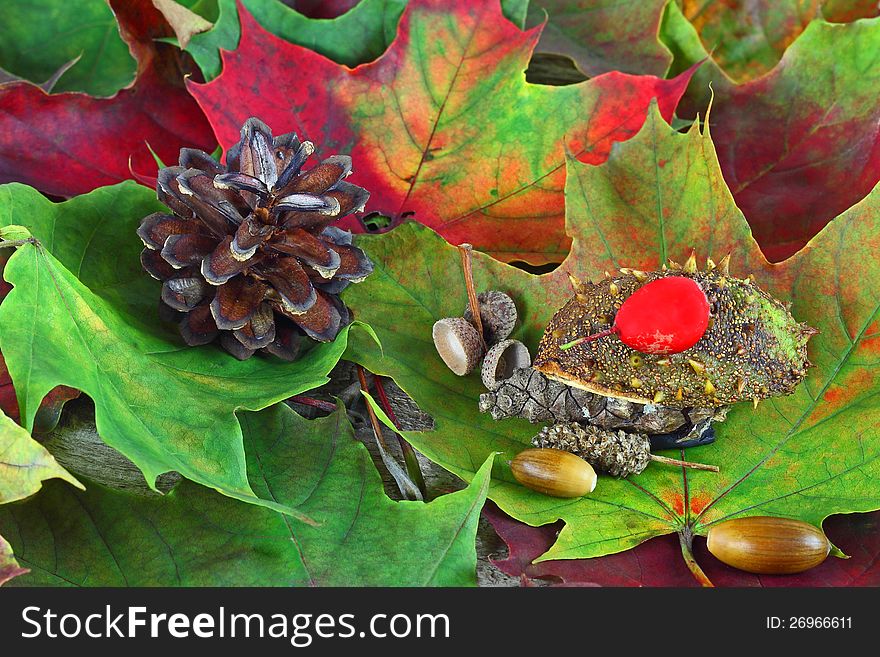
(614, 452)
(249, 256)
(531, 395)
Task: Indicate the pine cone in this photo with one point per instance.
(249, 255)
(617, 453)
(531, 395)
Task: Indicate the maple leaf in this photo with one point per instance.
(41, 36)
(443, 126)
(9, 567)
(602, 36)
(355, 37)
(194, 537)
(50, 409)
(70, 143)
(351, 33)
(846, 11)
(24, 465)
(325, 8)
(653, 563)
(660, 194)
(799, 145)
(82, 313)
(748, 39)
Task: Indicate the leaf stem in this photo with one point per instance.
(316, 403)
(684, 464)
(686, 539)
(377, 428)
(588, 338)
(11, 244)
(465, 252)
(409, 454)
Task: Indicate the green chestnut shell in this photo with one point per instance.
(753, 348)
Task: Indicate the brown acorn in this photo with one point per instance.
(458, 344)
(554, 472)
(497, 315)
(502, 360)
(767, 545)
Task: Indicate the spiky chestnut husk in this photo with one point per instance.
(249, 256)
(753, 348)
(531, 395)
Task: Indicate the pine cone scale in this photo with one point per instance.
(187, 250)
(354, 265)
(235, 302)
(156, 266)
(198, 327)
(211, 205)
(193, 158)
(321, 178)
(184, 293)
(260, 330)
(248, 237)
(222, 264)
(256, 158)
(158, 227)
(241, 183)
(326, 205)
(308, 248)
(292, 283)
(320, 321)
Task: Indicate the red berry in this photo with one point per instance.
(666, 316)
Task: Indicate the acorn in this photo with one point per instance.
(767, 545)
(458, 344)
(497, 314)
(502, 361)
(553, 472)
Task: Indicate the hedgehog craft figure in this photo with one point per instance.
(642, 354)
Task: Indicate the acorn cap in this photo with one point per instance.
(502, 361)
(498, 314)
(458, 344)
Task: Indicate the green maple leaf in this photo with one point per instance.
(83, 313)
(748, 40)
(24, 465)
(357, 36)
(41, 36)
(659, 195)
(9, 567)
(798, 145)
(194, 537)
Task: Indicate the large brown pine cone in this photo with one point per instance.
(249, 255)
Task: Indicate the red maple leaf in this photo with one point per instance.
(70, 143)
(657, 562)
(443, 126)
